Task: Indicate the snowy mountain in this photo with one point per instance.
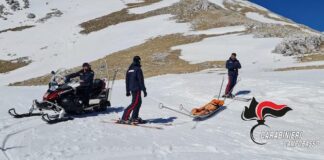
(281, 62)
(62, 31)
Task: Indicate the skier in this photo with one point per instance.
(86, 80)
(232, 65)
(134, 86)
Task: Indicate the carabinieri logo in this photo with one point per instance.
(259, 111)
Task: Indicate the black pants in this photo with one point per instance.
(134, 106)
(84, 93)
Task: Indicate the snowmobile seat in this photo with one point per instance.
(97, 86)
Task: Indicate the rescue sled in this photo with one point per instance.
(201, 113)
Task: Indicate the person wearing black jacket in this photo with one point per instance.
(86, 80)
(134, 86)
(232, 65)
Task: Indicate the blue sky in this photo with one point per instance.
(307, 12)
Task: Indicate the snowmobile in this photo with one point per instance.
(62, 99)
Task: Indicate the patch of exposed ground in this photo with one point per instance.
(157, 59)
(20, 28)
(201, 15)
(7, 66)
(313, 57)
(319, 56)
(117, 17)
(264, 30)
(243, 9)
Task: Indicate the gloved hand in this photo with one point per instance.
(145, 93)
(66, 80)
(128, 94)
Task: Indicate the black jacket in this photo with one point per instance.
(135, 78)
(86, 77)
(233, 66)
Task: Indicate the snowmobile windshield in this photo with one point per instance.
(58, 78)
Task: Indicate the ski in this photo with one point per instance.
(134, 125)
(162, 124)
(241, 99)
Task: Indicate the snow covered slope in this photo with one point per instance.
(224, 136)
(56, 42)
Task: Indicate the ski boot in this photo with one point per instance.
(228, 95)
(121, 121)
(138, 120)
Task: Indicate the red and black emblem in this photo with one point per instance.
(259, 111)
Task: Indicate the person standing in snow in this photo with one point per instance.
(134, 86)
(86, 80)
(232, 65)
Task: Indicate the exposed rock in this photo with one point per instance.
(26, 3)
(266, 30)
(55, 13)
(2, 7)
(31, 16)
(189, 8)
(205, 15)
(201, 5)
(14, 5)
(299, 45)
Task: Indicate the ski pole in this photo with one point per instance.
(107, 72)
(161, 106)
(112, 84)
(220, 91)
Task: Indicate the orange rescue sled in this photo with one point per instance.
(208, 109)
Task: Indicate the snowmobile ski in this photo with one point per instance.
(134, 124)
(55, 119)
(13, 113)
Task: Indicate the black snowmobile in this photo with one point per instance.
(62, 99)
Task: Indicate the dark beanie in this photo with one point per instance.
(137, 59)
(85, 65)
